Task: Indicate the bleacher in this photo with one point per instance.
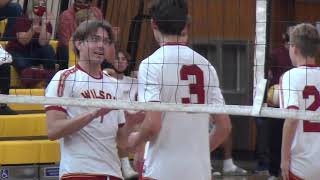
(25, 151)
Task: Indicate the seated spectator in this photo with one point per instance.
(67, 25)
(9, 11)
(31, 49)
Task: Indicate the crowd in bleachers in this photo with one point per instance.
(29, 39)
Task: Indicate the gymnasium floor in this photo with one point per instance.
(246, 164)
(249, 165)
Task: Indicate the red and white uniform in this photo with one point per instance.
(177, 74)
(299, 89)
(92, 149)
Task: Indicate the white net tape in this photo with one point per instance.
(259, 54)
(117, 104)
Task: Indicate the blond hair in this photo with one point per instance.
(306, 38)
(83, 15)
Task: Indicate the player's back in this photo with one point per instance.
(182, 147)
(301, 90)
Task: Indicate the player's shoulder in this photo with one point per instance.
(66, 73)
(129, 78)
(108, 77)
(294, 74)
(294, 71)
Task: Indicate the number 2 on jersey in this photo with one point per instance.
(196, 88)
(311, 91)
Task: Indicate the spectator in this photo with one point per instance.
(278, 63)
(31, 46)
(9, 11)
(127, 89)
(262, 146)
(67, 25)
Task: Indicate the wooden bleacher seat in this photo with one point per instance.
(28, 92)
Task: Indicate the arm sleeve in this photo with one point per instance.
(214, 91)
(288, 94)
(64, 29)
(149, 86)
(57, 88)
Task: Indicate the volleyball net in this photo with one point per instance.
(244, 56)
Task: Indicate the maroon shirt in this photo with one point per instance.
(279, 62)
(23, 24)
(67, 24)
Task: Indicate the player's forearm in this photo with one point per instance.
(218, 137)
(123, 134)
(63, 127)
(221, 132)
(150, 127)
(289, 129)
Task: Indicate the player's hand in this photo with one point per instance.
(285, 166)
(101, 112)
(134, 117)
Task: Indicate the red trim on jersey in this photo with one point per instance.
(293, 177)
(62, 80)
(293, 107)
(57, 108)
(81, 69)
(173, 44)
(75, 176)
(310, 65)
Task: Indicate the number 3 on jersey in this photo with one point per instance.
(198, 87)
(311, 91)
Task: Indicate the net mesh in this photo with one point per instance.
(242, 77)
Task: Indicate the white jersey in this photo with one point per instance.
(127, 89)
(177, 74)
(92, 149)
(299, 89)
